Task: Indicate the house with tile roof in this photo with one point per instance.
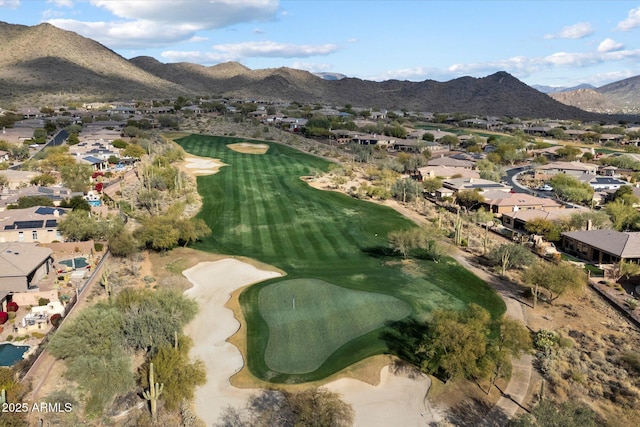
(499, 202)
(603, 246)
(23, 265)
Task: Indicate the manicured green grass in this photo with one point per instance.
(259, 207)
(309, 319)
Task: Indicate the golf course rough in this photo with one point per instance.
(258, 207)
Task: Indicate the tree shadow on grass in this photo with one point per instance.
(381, 252)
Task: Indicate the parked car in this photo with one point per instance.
(545, 187)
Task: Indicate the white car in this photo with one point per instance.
(546, 187)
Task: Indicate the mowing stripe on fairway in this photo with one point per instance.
(259, 207)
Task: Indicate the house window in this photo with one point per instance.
(34, 235)
(20, 236)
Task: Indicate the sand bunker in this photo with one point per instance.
(201, 166)
(397, 400)
(249, 147)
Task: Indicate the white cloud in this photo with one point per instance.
(127, 34)
(267, 49)
(522, 66)
(575, 31)
(194, 56)
(238, 51)
(61, 3)
(149, 23)
(205, 14)
(312, 67)
(632, 21)
(609, 45)
(11, 4)
(197, 39)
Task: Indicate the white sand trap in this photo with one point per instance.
(397, 400)
(213, 284)
(249, 147)
(249, 144)
(202, 166)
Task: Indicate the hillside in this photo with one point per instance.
(619, 97)
(44, 60)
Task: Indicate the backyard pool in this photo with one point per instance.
(10, 354)
(80, 262)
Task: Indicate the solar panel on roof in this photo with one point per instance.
(28, 224)
(45, 210)
(51, 223)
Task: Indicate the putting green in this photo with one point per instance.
(309, 319)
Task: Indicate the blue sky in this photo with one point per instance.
(556, 43)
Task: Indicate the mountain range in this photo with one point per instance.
(43, 59)
(621, 97)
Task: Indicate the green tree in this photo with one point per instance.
(31, 201)
(623, 215)
(134, 151)
(76, 203)
(77, 177)
(406, 190)
(513, 339)
(469, 199)
(177, 372)
(402, 241)
(43, 179)
(558, 279)
(80, 225)
(152, 318)
(545, 228)
(456, 342)
(508, 256)
(432, 184)
(122, 244)
(569, 153)
(91, 344)
(450, 140)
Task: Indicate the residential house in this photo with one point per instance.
(23, 265)
(603, 246)
(407, 146)
(446, 172)
(56, 194)
(452, 186)
(570, 168)
(517, 220)
(451, 163)
(36, 224)
(499, 202)
(373, 139)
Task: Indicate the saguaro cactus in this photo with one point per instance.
(155, 390)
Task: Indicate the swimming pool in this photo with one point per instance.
(10, 353)
(80, 262)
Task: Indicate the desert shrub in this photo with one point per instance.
(55, 320)
(3, 317)
(37, 335)
(43, 301)
(9, 337)
(545, 340)
(12, 315)
(631, 361)
(98, 246)
(12, 306)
